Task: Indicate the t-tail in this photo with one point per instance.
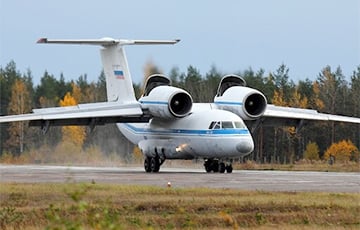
(119, 86)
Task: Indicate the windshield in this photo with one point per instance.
(227, 125)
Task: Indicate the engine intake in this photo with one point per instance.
(255, 104)
(233, 96)
(167, 102)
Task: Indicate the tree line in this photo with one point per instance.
(330, 92)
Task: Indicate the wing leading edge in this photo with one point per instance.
(296, 117)
(82, 114)
(273, 111)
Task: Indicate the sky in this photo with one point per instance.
(233, 35)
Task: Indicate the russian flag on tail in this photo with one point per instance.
(119, 74)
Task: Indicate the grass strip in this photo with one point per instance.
(104, 206)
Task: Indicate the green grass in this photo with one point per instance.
(102, 206)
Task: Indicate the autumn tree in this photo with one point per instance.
(20, 103)
(72, 134)
(343, 151)
(312, 151)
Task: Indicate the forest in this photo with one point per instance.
(329, 92)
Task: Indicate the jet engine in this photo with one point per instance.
(165, 101)
(233, 96)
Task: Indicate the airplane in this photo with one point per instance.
(164, 122)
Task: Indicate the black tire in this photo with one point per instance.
(229, 168)
(215, 166)
(147, 164)
(154, 164)
(221, 167)
(207, 166)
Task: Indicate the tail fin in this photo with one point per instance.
(119, 84)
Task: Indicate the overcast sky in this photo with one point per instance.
(233, 35)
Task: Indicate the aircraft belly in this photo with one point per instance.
(165, 147)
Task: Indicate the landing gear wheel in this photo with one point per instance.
(215, 166)
(147, 164)
(155, 164)
(221, 167)
(229, 168)
(211, 165)
(207, 168)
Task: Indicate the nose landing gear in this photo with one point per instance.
(213, 165)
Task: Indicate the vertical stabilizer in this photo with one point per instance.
(119, 86)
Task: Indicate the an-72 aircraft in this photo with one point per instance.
(164, 122)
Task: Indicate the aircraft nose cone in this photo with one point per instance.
(245, 147)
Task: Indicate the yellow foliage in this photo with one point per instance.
(76, 92)
(138, 155)
(316, 100)
(20, 103)
(291, 130)
(311, 151)
(343, 151)
(278, 98)
(68, 100)
(298, 101)
(72, 134)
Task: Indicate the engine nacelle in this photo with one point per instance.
(233, 96)
(167, 102)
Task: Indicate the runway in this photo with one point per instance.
(180, 178)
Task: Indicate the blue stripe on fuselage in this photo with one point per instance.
(228, 103)
(184, 132)
(154, 102)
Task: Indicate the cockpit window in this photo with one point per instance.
(211, 126)
(217, 125)
(226, 125)
(239, 125)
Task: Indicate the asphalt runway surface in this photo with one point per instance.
(185, 177)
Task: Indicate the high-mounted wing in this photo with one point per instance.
(83, 114)
(281, 112)
(297, 117)
(251, 105)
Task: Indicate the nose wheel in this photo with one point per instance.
(213, 165)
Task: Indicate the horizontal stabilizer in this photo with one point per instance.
(107, 41)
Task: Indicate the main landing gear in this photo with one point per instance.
(152, 164)
(212, 165)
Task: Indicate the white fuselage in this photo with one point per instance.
(205, 133)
